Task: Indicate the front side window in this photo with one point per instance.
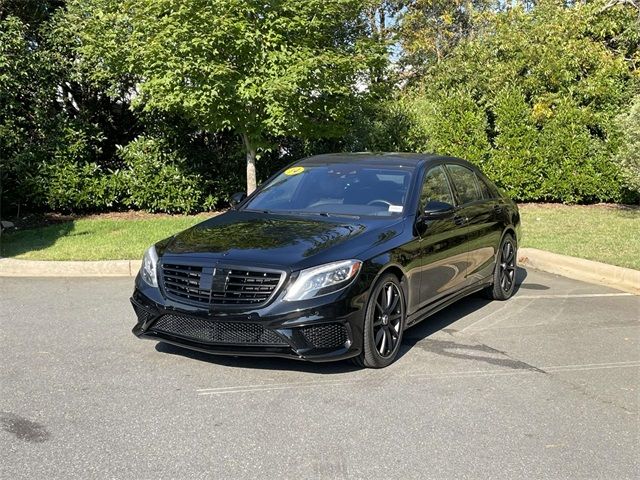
(341, 188)
(435, 187)
(465, 183)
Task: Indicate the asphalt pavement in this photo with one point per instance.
(545, 385)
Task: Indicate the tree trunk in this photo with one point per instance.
(251, 163)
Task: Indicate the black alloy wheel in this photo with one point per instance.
(504, 276)
(384, 323)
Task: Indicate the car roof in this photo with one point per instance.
(369, 158)
(380, 158)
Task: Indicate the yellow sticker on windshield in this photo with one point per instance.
(294, 170)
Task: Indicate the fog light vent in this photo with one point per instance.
(328, 335)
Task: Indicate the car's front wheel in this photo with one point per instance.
(384, 323)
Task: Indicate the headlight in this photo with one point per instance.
(322, 280)
(149, 271)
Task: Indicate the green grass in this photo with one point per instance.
(93, 238)
(604, 233)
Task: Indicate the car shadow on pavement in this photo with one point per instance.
(438, 322)
(263, 363)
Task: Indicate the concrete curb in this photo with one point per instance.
(625, 279)
(10, 267)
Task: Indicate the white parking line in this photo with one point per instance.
(262, 386)
(433, 375)
(573, 295)
(495, 312)
(474, 326)
(590, 366)
(548, 369)
(267, 388)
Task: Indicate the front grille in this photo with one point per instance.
(219, 285)
(330, 335)
(210, 331)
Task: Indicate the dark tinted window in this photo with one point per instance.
(493, 190)
(484, 188)
(465, 183)
(341, 188)
(435, 187)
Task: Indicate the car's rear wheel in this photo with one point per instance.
(504, 274)
(384, 324)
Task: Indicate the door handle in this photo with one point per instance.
(497, 208)
(458, 220)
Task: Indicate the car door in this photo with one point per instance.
(443, 252)
(480, 213)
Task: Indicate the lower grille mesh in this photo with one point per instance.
(217, 332)
(330, 335)
(143, 314)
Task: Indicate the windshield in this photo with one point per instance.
(339, 189)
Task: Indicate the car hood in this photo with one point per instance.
(240, 237)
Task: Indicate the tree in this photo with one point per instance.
(258, 68)
(27, 108)
(532, 97)
(54, 127)
(429, 30)
(32, 13)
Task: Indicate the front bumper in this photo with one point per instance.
(327, 330)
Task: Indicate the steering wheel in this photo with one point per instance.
(372, 202)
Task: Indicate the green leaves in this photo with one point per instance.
(539, 95)
(532, 97)
(629, 155)
(157, 180)
(265, 68)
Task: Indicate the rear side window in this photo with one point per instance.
(465, 183)
(484, 188)
(436, 187)
(486, 184)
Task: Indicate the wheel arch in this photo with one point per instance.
(510, 230)
(399, 273)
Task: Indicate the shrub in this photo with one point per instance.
(448, 123)
(69, 182)
(629, 154)
(532, 99)
(157, 179)
(71, 186)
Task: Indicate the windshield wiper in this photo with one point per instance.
(345, 215)
(302, 212)
(321, 214)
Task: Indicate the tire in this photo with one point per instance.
(385, 318)
(504, 273)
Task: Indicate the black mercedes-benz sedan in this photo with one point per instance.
(331, 258)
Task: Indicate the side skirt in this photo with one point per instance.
(429, 310)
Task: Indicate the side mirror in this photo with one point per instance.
(435, 210)
(236, 198)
